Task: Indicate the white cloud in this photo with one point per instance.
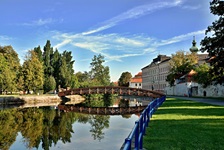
(133, 13)
(178, 38)
(4, 38)
(191, 7)
(117, 46)
(41, 22)
(66, 41)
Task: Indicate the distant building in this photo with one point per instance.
(115, 83)
(154, 75)
(136, 81)
(185, 85)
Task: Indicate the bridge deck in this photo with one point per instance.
(111, 90)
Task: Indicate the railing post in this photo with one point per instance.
(141, 132)
(137, 136)
(128, 140)
(145, 121)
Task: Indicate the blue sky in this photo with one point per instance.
(129, 33)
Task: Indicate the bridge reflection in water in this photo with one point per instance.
(102, 110)
(108, 90)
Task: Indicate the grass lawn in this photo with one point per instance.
(185, 125)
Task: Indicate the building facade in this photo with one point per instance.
(154, 75)
(186, 86)
(136, 81)
(154, 78)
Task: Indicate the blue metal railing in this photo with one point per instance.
(140, 126)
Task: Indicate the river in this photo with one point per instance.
(49, 128)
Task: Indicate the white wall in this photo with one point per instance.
(211, 91)
(133, 85)
(182, 90)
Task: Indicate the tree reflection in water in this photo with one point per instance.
(98, 123)
(45, 126)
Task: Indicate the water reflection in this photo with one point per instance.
(49, 128)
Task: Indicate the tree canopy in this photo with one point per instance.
(124, 79)
(213, 42)
(202, 75)
(9, 68)
(99, 73)
(181, 63)
(33, 72)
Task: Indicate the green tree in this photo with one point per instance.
(11, 57)
(213, 42)
(33, 72)
(66, 70)
(9, 68)
(38, 51)
(75, 82)
(3, 67)
(56, 65)
(181, 63)
(202, 75)
(20, 80)
(124, 79)
(69, 62)
(50, 84)
(47, 56)
(83, 79)
(100, 75)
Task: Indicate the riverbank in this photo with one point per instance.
(30, 99)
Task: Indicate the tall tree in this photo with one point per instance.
(181, 63)
(100, 74)
(66, 70)
(69, 62)
(33, 72)
(56, 65)
(47, 56)
(9, 68)
(124, 79)
(213, 42)
(39, 53)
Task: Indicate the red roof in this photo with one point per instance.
(136, 80)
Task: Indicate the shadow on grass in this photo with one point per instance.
(182, 128)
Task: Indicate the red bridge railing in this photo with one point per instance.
(111, 90)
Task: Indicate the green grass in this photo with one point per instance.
(215, 98)
(185, 125)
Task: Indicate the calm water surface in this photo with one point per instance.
(48, 128)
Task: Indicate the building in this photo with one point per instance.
(154, 78)
(154, 75)
(185, 85)
(136, 81)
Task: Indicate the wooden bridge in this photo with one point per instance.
(102, 110)
(111, 90)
